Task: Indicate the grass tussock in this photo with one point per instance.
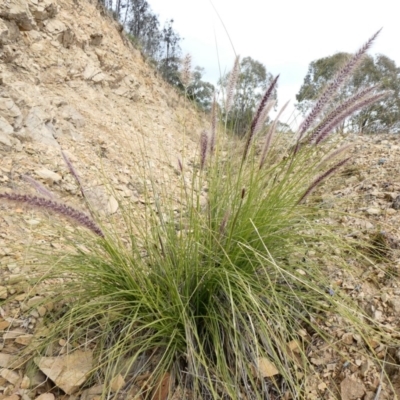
(220, 300)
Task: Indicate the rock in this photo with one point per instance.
(67, 372)
(96, 39)
(5, 127)
(24, 339)
(90, 71)
(37, 128)
(12, 397)
(26, 382)
(395, 303)
(4, 139)
(396, 203)
(351, 389)
(70, 114)
(3, 32)
(112, 205)
(8, 109)
(19, 12)
(90, 394)
(5, 360)
(55, 27)
(45, 396)
(3, 293)
(265, 368)
(9, 376)
(373, 211)
(49, 176)
(117, 383)
(67, 39)
(347, 338)
(43, 9)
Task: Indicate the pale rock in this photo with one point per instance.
(347, 338)
(90, 71)
(3, 32)
(112, 205)
(9, 32)
(99, 199)
(19, 12)
(3, 293)
(5, 127)
(55, 27)
(373, 211)
(26, 382)
(37, 127)
(9, 375)
(24, 339)
(265, 368)
(91, 393)
(13, 334)
(67, 372)
(395, 303)
(45, 396)
(70, 114)
(12, 397)
(43, 9)
(5, 360)
(351, 389)
(49, 176)
(117, 383)
(5, 139)
(99, 77)
(8, 109)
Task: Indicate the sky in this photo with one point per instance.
(285, 35)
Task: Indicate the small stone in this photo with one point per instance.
(24, 339)
(34, 300)
(67, 372)
(13, 334)
(25, 383)
(117, 383)
(351, 389)
(45, 396)
(112, 205)
(42, 311)
(373, 211)
(4, 325)
(49, 176)
(396, 203)
(3, 292)
(347, 338)
(9, 376)
(265, 368)
(5, 360)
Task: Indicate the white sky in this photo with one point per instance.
(285, 35)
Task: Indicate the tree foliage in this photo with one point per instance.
(383, 116)
(200, 91)
(252, 81)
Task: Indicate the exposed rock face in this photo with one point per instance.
(70, 80)
(64, 68)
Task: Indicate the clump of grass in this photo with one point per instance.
(216, 303)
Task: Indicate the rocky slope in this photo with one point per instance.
(70, 80)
